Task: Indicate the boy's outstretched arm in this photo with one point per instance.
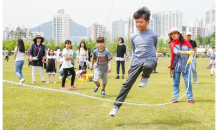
(93, 61)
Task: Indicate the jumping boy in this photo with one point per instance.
(144, 45)
(101, 57)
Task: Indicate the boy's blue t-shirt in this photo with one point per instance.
(144, 46)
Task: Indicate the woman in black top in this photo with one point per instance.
(120, 58)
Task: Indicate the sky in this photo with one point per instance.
(32, 13)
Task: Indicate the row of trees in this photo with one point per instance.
(11, 44)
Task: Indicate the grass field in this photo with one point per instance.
(30, 108)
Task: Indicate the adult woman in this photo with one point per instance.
(37, 56)
(121, 56)
(181, 57)
(82, 55)
(19, 59)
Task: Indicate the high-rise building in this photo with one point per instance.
(129, 27)
(209, 16)
(61, 27)
(89, 32)
(97, 31)
(162, 22)
(118, 29)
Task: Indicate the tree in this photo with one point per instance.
(204, 41)
(51, 45)
(60, 46)
(46, 43)
(212, 42)
(19, 33)
(160, 43)
(199, 39)
(161, 50)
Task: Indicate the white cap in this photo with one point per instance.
(188, 33)
(174, 29)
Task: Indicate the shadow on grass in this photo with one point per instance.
(173, 122)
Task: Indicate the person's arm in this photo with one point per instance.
(55, 64)
(124, 57)
(68, 58)
(93, 61)
(176, 51)
(133, 52)
(110, 66)
(15, 53)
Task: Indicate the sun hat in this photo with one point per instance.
(174, 29)
(188, 33)
(38, 37)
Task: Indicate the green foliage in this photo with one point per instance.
(161, 50)
(46, 43)
(11, 45)
(161, 43)
(204, 42)
(60, 46)
(212, 42)
(112, 47)
(52, 45)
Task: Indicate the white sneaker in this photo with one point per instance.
(196, 82)
(60, 77)
(114, 111)
(143, 83)
(23, 80)
(55, 82)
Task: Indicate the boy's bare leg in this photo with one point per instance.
(104, 86)
(97, 83)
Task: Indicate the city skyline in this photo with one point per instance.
(91, 12)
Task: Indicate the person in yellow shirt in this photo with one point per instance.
(86, 77)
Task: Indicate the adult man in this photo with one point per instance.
(193, 65)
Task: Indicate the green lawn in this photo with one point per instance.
(30, 108)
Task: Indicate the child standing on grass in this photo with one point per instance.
(67, 65)
(101, 57)
(213, 65)
(52, 65)
(144, 45)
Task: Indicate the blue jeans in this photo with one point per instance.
(18, 68)
(61, 72)
(194, 72)
(176, 82)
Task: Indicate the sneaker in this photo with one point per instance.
(117, 77)
(122, 77)
(156, 72)
(191, 101)
(196, 82)
(96, 88)
(63, 88)
(60, 77)
(55, 82)
(33, 81)
(73, 87)
(23, 80)
(114, 111)
(43, 81)
(102, 92)
(143, 83)
(174, 101)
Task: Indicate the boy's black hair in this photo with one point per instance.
(143, 12)
(100, 39)
(82, 73)
(213, 47)
(60, 54)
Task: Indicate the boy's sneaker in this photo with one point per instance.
(174, 101)
(60, 77)
(196, 82)
(63, 88)
(43, 81)
(96, 88)
(114, 111)
(73, 87)
(143, 83)
(117, 77)
(102, 92)
(23, 80)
